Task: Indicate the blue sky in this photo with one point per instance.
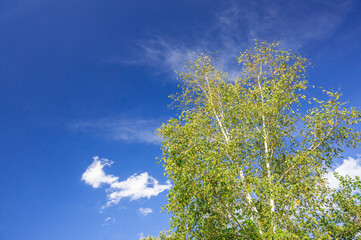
(81, 79)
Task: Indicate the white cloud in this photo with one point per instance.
(135, 187)
(350, 167)
(128, 130)
(145, 211)
(95, 175)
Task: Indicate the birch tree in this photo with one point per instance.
(247, 153)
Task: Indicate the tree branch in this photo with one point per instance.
(312, 148)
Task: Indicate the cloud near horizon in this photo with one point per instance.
(349, 166)
(135, 187)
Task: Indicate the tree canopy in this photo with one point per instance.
(247, 153)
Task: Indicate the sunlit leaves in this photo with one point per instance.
(248, 155)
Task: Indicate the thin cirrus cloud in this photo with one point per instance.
(127, 130)
(282, 19)
(108, 220)
(350, 167)
(135, 187)
(145, 211)
(232, 29)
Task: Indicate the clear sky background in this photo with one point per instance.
(80, 79)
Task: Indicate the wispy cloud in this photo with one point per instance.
(350, 167)
(135, 187)
(145, 211)
(233, 29)
(168, 55)
(287, 20)
(128, 130)
(160, 52)
(108, 220)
